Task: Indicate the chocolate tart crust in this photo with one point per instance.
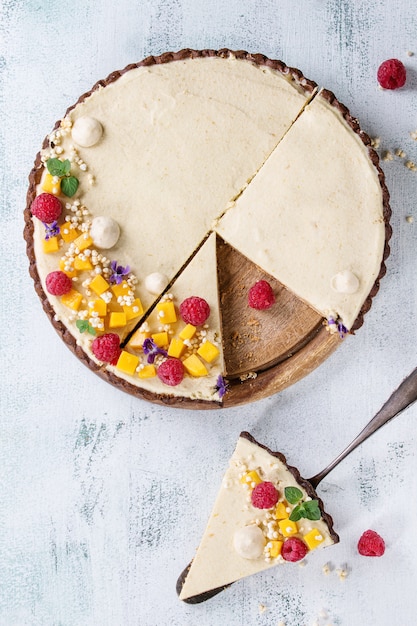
(265, 380)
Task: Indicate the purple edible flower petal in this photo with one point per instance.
(342, 330)
(118, 272)
(51, 230)
(221, 386)
(151, 350)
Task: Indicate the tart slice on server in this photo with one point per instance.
(265, 515)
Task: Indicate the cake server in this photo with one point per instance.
(399, 400)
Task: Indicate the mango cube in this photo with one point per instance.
(99, 285)
(127, 362)
(147, 371)
(208, 351)
(313, 538)
(50, 245)
(121, 290)
(176, 348)
(97, 306)
(136, 342)
(72, 299)
(161, 339)
(68, 234)
(82, 265)
(70, 273)
(187, 332)
(133, 310)
(166, 312)
(83, 242)
(194, 366)
(288, 527)
(275, 549)
(251, 477)
(281, 511)
(50, 186)
(117, 320)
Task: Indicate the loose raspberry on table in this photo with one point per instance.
(194, 310)
(264, 495)
(391, 74)
(107, 348)
(58, 283)
(371, 544)
(261, 296)
(46, 208)
(171, 372)
(293, 549)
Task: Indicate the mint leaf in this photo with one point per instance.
(312, 510)
(293, 494)
(297, 513)
(91, 330)
(56, 167)
(82, 325)
(69, 185)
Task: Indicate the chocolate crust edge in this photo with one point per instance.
(202, 597)
(34, 178)
(330, 97)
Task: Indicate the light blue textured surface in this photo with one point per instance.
(104, 497)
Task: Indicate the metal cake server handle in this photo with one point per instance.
(401, 399)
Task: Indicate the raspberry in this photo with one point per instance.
(293, 549)
(58, 283)
(46, 208)
(264, 496)
(107, 348)
(171, 372)
(391, 74)
(194, 310)
(261, 296)
(371, 544)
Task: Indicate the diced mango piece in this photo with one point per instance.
(99, 285)
(136, 342)
(50, 186)
(187, 332)
(83, 241)
(208, 351)
(72, 299)
(98, 306)
(194, 366)
(313, 538)
(117, 320)
(127, 362)
(122, 289)
(251, 477)
(68, 234)
(147, 371)
(133, 310)
(275, 549)
(176, 348)
(166, 312)
(70, 273)
(50, 245)
(288, 527)
(281, 510)
(82, 264)
(161, 339)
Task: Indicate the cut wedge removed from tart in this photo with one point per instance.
(265, 515)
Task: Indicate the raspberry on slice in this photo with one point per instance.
(194, 310)
(46, 208)
(391, 74)
(371, 544)
(264, 495)
(58, 283)
(293, 549)
(107, 348)
(261, 296)
(171, 372)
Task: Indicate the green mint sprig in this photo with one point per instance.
(84, 326)
(309, 510)
(69, 184)
(293, 494)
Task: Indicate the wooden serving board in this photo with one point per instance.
(265, 351)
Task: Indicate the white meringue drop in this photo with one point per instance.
(249, 542)
(155, 283)
(86, 131)
(345, 282)
(104, 232)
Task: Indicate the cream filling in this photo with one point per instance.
(313, 210)
(216, 562)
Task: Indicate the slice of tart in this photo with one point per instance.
(265, 515)
(319, 198)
